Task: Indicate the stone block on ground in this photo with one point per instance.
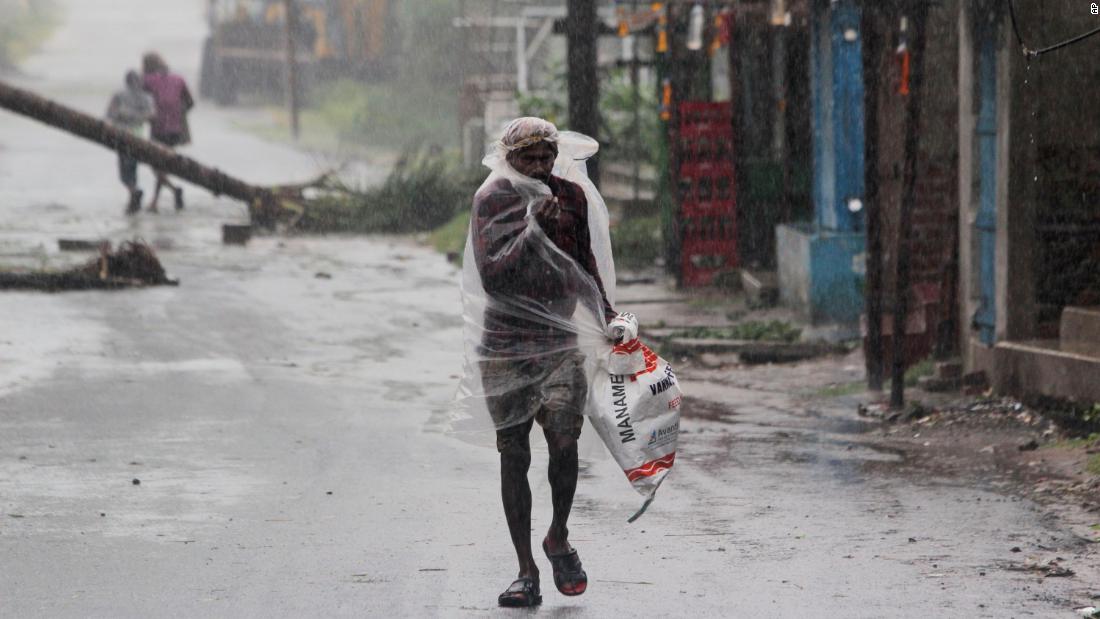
(761, 287)
(936, 384)
(949, 370)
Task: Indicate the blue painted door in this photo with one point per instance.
(837, 99)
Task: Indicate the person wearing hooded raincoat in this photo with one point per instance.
(538, 288)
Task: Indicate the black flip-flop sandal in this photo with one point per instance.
(522, 593)
(567, 571)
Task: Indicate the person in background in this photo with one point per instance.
(173, 102)
(130, 109)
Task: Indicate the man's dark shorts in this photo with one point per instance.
(127, 170)
(550, 389)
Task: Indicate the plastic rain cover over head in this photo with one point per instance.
(535, 312)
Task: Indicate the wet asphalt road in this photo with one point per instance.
(287, 429)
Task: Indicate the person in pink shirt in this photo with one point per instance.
(169, 126)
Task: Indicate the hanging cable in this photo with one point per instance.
(1034, 53)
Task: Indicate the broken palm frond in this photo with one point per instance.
(133, 265)
(423, 192)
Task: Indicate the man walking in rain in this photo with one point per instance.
(536, 306)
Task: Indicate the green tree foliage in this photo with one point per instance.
(424, 191)
(617, 134)
(23, 25)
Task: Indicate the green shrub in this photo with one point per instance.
(450, 238)
(753, 330)
(389, 115)
(423, 192)
(917, 371)
(636, 243)
(23, 25)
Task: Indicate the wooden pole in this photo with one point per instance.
(581, 30)
(636, 122)
(292, 65)
(873, 295)
(908, 202)
(261, 201)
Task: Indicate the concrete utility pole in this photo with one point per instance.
(779, 79)
(581, 31)
(291, 64)
(872, 50)
(918, 27)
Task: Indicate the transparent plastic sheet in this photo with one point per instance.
(530, 309)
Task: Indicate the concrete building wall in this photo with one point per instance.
(1009, 288)
(1047, 196)
(1050, 223)
(1016, 212)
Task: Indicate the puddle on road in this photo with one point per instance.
(719, 437)
(707, 410)
(397, 391)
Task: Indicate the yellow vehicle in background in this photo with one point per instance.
(245, 52)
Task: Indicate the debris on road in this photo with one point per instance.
(236, 234)
(1043, 454)
(81, 244)
(1051, 569)
(134, 264)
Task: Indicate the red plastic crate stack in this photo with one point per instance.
(707, 191)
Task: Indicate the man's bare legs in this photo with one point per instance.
(515, 461)
(162, 181)
(515, 491)
(562, 474)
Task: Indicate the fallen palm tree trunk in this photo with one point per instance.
(133, 265)
(264, 204)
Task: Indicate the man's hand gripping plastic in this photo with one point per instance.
(623, 328)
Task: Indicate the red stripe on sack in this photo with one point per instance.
(636, 475)
(627, 347)
(652, 467)
(650, 362)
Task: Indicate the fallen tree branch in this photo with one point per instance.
(133, 265)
